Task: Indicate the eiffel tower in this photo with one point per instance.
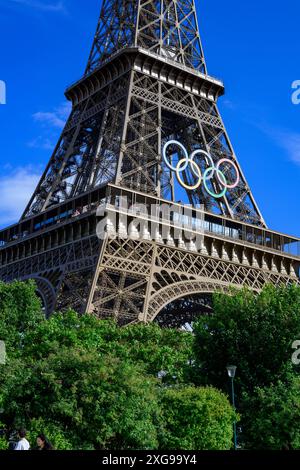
(144, 127)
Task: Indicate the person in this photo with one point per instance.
(43, 443)
(22, 443)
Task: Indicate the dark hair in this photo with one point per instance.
(22, 433)
(47, 444)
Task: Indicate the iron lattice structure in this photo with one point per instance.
(145, 87)
(168, 28)
(146, 83)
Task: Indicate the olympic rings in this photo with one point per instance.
(193, 167)
(184, 151)
(228, 186)
(216, 196)
(209, 173)
(202, 152)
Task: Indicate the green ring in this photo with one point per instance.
(217, 196)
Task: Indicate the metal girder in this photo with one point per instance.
(135, 280)
(145, 85)
(117, 132)
(166, 27)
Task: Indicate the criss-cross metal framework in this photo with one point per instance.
(168, 28)
(145, 87)
(146, 83)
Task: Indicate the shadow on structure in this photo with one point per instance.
(184, 311)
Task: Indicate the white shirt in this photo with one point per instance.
(23, 444)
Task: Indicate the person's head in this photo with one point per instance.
(41, 440)
(22, 433)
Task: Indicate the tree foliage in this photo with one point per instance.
(276, 421)
(91, 400)
(255, 332)
(89, 384)
(20, 312)
(154, 348)
(196, 418)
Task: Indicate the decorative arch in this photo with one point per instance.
(46, 291)
(177, 290)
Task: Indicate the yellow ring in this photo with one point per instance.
(178, 171)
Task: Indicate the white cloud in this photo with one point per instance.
(49, 118)
(42, 5)
(56, 118)
(290, 141)
(229, 104)
(16, 188)
(41, 143)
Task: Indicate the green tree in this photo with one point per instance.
(86, 383)
(153, 348)
(89, 400)
(20, 312)
(275, 424)
(254, 331)
(55, 433)
(196, 419)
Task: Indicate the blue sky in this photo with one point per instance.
(253, 46)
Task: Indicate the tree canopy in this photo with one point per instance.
(89, 384)
(255, 332)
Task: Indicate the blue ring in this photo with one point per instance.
(169, 165)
